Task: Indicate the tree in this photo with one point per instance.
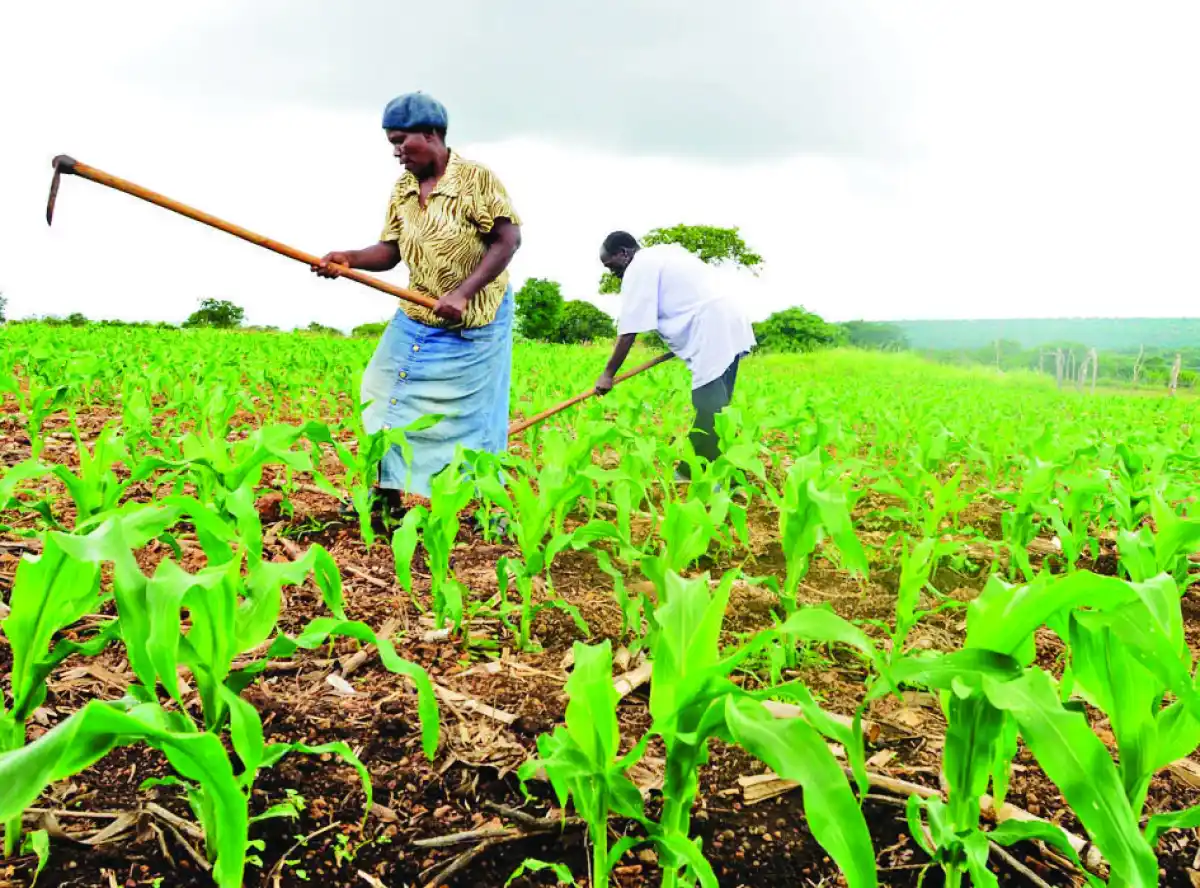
(218, 313)
(77, 319)
(875, 335)
(369, 331)
(583, 322)
(314, 327)
(3, 306)
(716, 246)
(796, 330)
(539, 308)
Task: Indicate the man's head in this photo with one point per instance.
(618, 251)
(416, 124)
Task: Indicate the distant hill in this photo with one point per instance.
(1111, 334)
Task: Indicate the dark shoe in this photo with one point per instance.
(382, 502)
(496, 525)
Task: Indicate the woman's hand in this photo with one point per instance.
(329, 262)
(452, 306)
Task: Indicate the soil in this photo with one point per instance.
(472, 784)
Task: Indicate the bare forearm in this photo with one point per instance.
(501, 248)
(383, 256)
(620, 353)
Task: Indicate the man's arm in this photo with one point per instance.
(620, 352)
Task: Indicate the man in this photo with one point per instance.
(668, 289)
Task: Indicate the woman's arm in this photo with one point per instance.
(503, 241)
(383, 256)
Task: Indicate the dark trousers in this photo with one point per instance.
(709, 400)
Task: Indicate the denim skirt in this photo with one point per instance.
(463, 375)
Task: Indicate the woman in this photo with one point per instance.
(452, 223)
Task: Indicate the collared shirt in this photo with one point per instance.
(670, 290)
(442, 243)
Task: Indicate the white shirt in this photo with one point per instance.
(670, 290)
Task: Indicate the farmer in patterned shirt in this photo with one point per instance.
(451, 222)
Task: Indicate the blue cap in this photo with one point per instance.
(413, 111)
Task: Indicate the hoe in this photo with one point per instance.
(64, 165)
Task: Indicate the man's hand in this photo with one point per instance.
(604, 384)
(452, 306)
(327, 268)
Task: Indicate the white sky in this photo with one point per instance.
(1048, 163)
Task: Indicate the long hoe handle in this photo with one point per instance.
(517, 427)
(70, 166)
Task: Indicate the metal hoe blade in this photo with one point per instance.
(62, 164)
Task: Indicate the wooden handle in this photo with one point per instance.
(517, 427)
(102, 178)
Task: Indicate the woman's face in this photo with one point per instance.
(416, 151)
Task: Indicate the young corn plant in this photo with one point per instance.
(812, 506)
(361, 460)
(992, 694)
(1128, 657)
(50, 593)
(693, 700)
(1070, 513)
(1146, 553)
(917, 564)
(229, 615)
(582, 759)
(438, 528)
(537, 518)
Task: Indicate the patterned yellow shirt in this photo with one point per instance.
(443, 242)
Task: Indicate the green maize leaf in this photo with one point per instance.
(973, 731)
(245, 734)
(686, 646)
(19, 474)
(592, 703)
(1006, 751)
(259, 611)
(1004, 617)
(1080, 766)
(274, 753)
(912, 813)
(282, 811)
(849, 737)
(532, 865)
(822, 626)
(623, 846)
(317, 632)
(1178, 735)
(941, 671)
(1012, 831)
(50, 592)
(107, 633)
(38, 844)
(835, 518)
(165, 593)
(241, 505)
(687, 532)
(977, 849)
(404, 546)
(1108, 672)
(89, 735)
(795, 751)
(1161, 823)
(688, 851)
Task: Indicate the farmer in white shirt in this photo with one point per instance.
(668, 289)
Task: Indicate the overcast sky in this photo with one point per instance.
(888, 159)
